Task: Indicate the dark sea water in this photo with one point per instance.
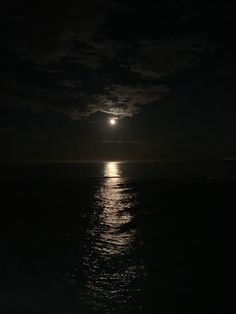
(117, 238)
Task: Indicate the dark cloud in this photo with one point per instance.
(79, 68)
(135, 142)
(42, 26)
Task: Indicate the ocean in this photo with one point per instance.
(117, 237)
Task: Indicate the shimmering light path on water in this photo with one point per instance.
(109, 263)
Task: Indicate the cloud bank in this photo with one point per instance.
(79, 58)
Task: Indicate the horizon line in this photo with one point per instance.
(113, 160)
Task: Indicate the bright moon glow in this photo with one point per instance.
(112, 121)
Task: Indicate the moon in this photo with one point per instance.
(112, 121)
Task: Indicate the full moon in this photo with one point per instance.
(112, 121)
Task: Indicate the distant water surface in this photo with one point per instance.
(117, 238)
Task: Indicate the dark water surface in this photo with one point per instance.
(117, 238)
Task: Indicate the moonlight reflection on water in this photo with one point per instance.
(109, 263)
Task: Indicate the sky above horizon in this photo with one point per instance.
(164, 69)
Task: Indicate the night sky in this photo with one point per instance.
(165, 69)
